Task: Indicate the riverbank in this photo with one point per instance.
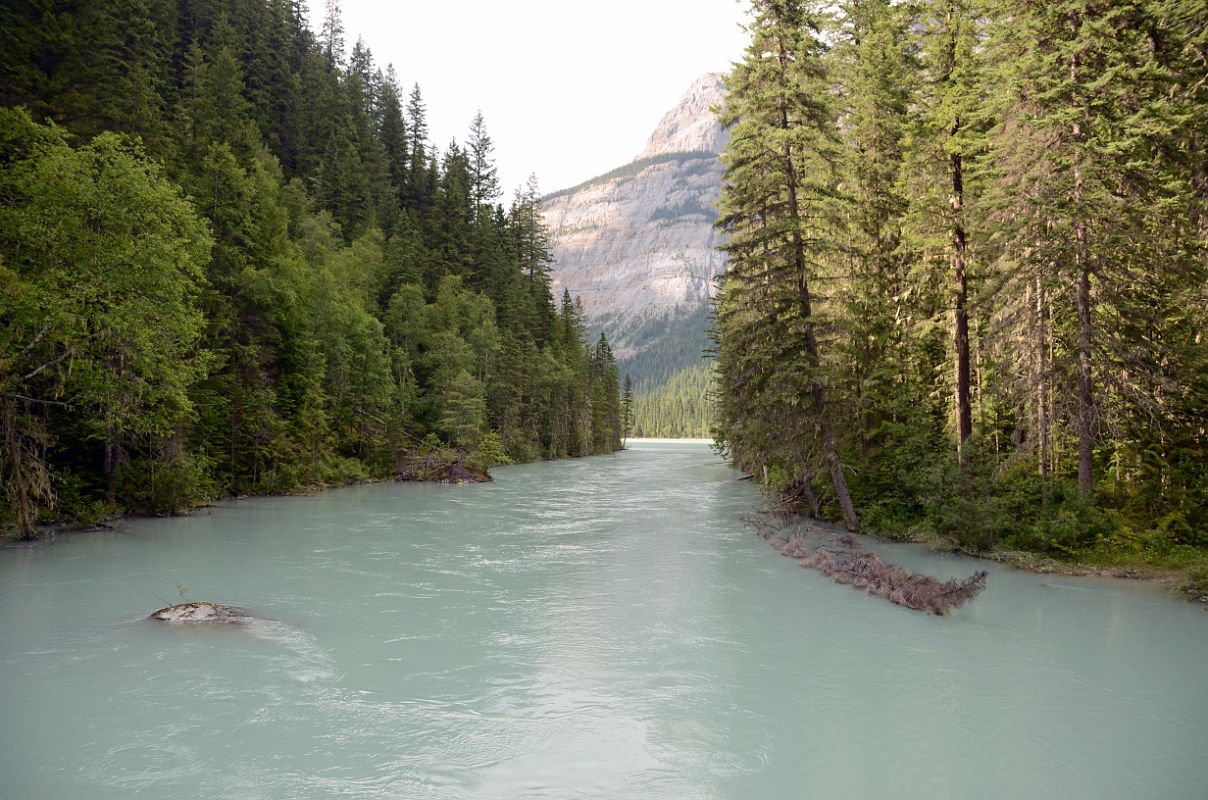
(1188, 578)
(1185, 575)
(103, 520)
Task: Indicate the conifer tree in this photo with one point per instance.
(777, 209)
(1001, 203)
(627, 410)
(532, 248)
(484, 179)
(332, 34)
(873, 59)
(952, 131)
(392, 132)
(1079, 89)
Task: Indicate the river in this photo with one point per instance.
(598, 628)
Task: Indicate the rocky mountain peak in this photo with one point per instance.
(691, 126)
(637, 244)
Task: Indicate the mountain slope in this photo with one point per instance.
(637, 244)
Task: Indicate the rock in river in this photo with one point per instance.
(211, 613)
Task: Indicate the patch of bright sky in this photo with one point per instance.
(568, 89)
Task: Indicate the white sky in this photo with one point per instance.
(568, 89)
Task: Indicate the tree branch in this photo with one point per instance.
(27, 376)
(34, 343)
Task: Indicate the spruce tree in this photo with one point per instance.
(332, 34)
(777, 209)
(484, 179)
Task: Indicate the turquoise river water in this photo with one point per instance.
(600, 628)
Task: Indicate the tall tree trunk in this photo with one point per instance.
(964, 412)
(1086, 386)
(807, 487)
(817, 390)
(1042, 419)
(1082, 304)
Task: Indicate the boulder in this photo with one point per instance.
(197, 613)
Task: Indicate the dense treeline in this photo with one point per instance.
(232, 262)
(967, 287)
(679, 408)
(670, 378)
(663, 344)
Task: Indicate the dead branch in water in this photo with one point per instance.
(844, 563)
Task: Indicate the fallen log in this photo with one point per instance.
(843, 562)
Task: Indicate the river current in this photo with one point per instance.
(598, 628)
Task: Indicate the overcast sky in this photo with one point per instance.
(568, 89)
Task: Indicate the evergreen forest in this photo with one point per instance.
(232, 262)
(672, 381)
(679, 408)
(968, 288)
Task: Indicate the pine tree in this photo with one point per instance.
(332, 34)
(484, 179)
(953, 130)
(627, 410)
(1082, 89)
(873, 58)
(416, 194)
(532, 248)
(777, 207)
(392, 132)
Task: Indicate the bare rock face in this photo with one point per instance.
(639, 241)
(197, 613)
(691, 126)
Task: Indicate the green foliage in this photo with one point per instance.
(490, 452)
(680, 408)
(280, 288)
(101, 260)
(1020, 183)
(164, 485)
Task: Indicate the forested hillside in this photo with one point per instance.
(672, 380)
(231, 261)
(681, 407)
(967, 287)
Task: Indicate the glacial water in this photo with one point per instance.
(600, 628)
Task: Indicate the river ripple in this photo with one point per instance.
(601, 628)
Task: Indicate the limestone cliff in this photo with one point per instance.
(691, 127)
(637, 244)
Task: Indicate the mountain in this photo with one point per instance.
(637, 243)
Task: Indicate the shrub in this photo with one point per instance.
(489, 452)
(164, 486)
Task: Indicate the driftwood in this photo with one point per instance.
(844, 562)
